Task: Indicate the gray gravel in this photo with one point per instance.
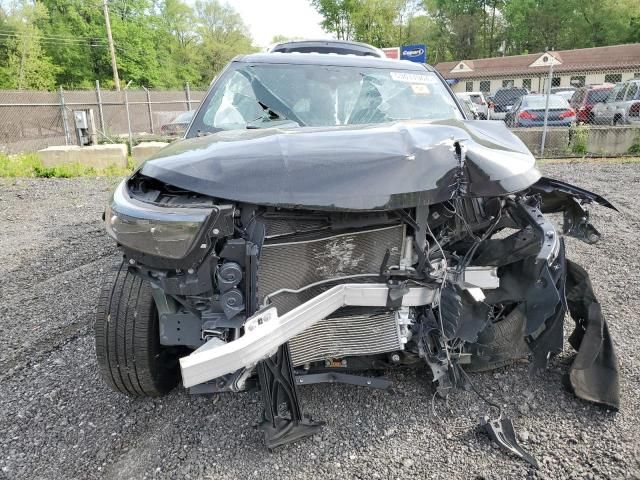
(58, 420)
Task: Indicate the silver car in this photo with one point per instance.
(616, 108)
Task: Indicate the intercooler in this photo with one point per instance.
(294, 262)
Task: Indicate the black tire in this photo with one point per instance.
(130, 357)
(499, 344)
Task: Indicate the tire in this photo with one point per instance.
(499, 344)
(130, 357)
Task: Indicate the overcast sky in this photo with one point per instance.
(266, 18)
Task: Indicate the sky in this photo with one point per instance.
(291, 18)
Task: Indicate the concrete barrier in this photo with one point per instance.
(556, 141)
(612, 140)
(96, 156)
(144, 150)
(585, 139)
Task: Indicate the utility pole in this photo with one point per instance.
(112, 50)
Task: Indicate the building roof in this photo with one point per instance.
(581, 60)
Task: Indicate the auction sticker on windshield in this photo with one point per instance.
(411, 77)
(420, 89)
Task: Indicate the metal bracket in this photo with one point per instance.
(501, 431)
(339, 377)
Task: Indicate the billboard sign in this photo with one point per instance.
(392, 52)
(414, 53)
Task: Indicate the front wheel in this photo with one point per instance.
(130, 357)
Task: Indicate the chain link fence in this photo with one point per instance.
(31, 120)
(557, 107)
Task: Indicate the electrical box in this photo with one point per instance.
(80, 117)
(85, 127)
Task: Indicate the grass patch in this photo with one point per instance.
(23, 165)
(29, 165)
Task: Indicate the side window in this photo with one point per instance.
(620, 95)
(577, 97)
(632, 91)
(614, 93)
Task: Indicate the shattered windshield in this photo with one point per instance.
(266, 95)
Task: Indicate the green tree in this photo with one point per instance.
(25, 64)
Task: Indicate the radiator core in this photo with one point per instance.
(302, 261)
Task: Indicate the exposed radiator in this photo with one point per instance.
(305, 260)
(349, 332)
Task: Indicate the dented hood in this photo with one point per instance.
(382, 166)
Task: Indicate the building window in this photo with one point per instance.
(613, 78)
(555, 82)
(485, 85)
(526, 83)
(469, 87)
(578, 81)
(507, 83)
(636, 75)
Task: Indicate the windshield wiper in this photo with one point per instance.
(270, 117)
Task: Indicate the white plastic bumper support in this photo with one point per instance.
(266, 331)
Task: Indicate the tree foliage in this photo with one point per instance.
(159, 43)
(464, 29)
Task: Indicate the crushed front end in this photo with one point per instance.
(466, 275)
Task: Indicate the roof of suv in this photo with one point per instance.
(331, 59)
(343, 47)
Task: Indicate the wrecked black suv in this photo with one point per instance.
(328, 216)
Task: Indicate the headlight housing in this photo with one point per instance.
(162, 231)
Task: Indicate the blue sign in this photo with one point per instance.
(414, 53)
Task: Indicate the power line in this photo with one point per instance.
(49, 39)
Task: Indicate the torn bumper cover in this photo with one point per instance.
(594, 375)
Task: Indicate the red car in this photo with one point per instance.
(586, 97)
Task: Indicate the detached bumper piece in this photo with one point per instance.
(594, 375)
(283, 421)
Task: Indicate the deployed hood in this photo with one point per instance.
(382, 166)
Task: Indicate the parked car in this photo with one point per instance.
(503, 101)
(330, 215)
(480, 103)
(529, 111)
(342, 47)
(470, 108)
(586, 97)
(615, 109)
(178, 125)
(564, 92)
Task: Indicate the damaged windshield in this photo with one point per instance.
(285, 95)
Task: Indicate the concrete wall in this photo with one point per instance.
(96, 156)
(598, 141)
(144, 150)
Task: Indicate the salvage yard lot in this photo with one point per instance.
(58, 420)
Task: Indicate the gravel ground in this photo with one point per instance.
(58, 420)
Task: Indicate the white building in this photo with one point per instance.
(580, 67)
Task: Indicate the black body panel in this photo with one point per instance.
(385, 166)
